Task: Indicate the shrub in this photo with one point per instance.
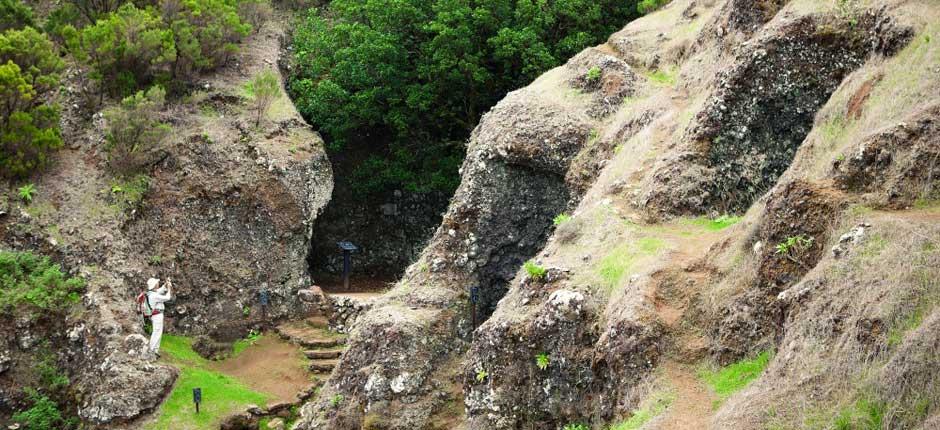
(29, 126)
(534, 270)
(63, 17)
(134, 130)
(44, 414)
(29, 280)
(125, 50)
(206, 33)
(576, 426)
(255, 12)
(14, 14)
(482, 375)
(263, 89)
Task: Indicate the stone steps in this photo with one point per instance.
(323, 366)
(323, 354)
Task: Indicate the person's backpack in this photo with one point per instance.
(143, 305)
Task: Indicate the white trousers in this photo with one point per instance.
(157, 332)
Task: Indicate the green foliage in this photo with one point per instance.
(482, 375)
(125, 49)
(206, 33)
(134, 130)
(336, 400)
(14, 14)
(382, 73)
(263, 89)
(534, 270)
(29, 127)
(576, 426)
(62, 21)
(541, 361)
(43, 414)
(728, 380)
(26, 193)
(34, 282)
(49, 374)
(92, 10)
(561, 219)
(649, 6)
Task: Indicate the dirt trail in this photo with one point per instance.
(271, 366)
(692, 408)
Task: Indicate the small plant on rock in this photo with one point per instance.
(43, 414)
(594, 74)
(534, 270)
(794, 247)
(482, 375)
(336, 400)
(26, 193)
(541, 361)
(561, 219)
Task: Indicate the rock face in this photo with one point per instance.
(227, 211)
(701, 108)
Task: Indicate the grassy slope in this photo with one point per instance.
(221, 394)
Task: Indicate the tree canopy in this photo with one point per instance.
(410, 78)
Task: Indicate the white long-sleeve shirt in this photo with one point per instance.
(156, 299)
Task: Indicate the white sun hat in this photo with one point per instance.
(152, 283)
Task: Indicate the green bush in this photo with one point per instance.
(127, 49)
(134, 130)
(31, 281)
(29, 126)
(44, 414)
(255, 12)
(93, 10)
(14, 14)
(263, 89)
(205, 32)
(66, 16)
(381, 74)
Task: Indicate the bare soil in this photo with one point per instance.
(692, 409)
(271, 366)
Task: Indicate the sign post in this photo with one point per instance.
(197, 397)
(347, 248)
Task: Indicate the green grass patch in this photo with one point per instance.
(732, 378)
(665, 77)
(615, 266)
(864, 414)
(221, 396)
(649, 409)
(715, 224)
(180, 348)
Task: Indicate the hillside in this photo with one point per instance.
(726, 216)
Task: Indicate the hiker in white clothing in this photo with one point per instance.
(155, 299)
